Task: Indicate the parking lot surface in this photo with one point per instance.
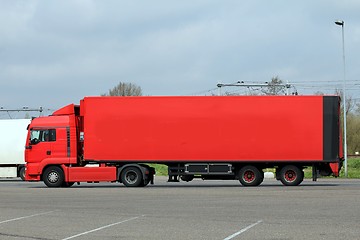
(326, 209)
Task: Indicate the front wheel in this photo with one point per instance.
(291, 175)
(131, 177)
(250, 176)
(53, 176)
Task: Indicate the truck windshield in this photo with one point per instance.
(43, 135)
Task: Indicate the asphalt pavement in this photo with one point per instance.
(326, 209)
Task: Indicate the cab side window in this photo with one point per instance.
(42, 135)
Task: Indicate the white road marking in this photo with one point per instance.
(100, 228)
(242, 230)
(19, 218)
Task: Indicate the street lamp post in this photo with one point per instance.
(342, 23)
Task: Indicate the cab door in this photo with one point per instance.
(40, 141)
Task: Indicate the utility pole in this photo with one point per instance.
(342, 23)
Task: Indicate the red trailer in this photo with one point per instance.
(115, 138)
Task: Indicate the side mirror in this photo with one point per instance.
(34, 141)
(28, 147)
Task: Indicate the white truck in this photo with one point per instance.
(12, 143)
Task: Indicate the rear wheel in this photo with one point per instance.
(250, 176)
(291, 175)
(22, 173)
(144, 183)
(187, 178)
(53, 176)
(67, 184)
(132, 177)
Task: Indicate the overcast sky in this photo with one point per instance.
(53, 53)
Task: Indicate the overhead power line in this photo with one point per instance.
(285, 86)
(23, 109)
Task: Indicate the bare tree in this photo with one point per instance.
(319, 93)
(124, 89)
(357, 111)
(353, 133)
(275, 87)
(349, 102)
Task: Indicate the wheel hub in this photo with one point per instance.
(249, 176)
(290, 176)
(131, 177)
(53, 177)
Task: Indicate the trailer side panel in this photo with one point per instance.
(170, 129)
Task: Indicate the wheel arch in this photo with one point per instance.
(53, 165)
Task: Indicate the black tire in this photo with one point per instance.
(53, 176)
(22, 173)
(291, 175)
(144, 183)
(67, 184)
(132, 177)
(187, 178)
(250, 176)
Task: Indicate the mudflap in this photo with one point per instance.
(336, 167)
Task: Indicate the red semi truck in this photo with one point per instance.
(114, 139)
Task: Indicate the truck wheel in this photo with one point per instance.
(144, 183)
(22, 173)
(250, 176)
(291, 175)
(53, 176)
(131, 177)
(187, 178)
(67, 184)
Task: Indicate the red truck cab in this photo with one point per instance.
(51, 140)
(54, 153)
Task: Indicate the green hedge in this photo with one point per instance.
(353, 168)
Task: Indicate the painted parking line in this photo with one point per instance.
(243, 230)
(103, 227)
(24, 217)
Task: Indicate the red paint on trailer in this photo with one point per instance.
(160, 129)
